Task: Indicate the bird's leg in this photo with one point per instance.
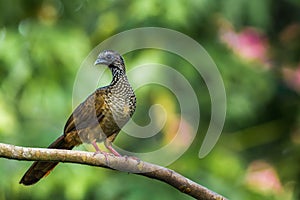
(96, 147)
(99, 151)
(112, 150)
(107, 144)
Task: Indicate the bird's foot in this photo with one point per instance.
(112, 150)
(105, 154)
(98, 151)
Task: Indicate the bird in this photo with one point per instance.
(99, 118)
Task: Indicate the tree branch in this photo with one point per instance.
(126, 164)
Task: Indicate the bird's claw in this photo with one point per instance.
(105, 154)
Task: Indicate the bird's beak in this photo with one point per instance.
(100, 61)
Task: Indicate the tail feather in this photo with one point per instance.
(40, 169)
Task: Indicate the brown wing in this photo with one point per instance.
(88, 114)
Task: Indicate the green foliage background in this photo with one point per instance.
(42, 44)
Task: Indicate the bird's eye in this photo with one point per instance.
(109, 56)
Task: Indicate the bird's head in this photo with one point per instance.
(112, 59)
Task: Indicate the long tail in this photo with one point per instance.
(39, 169)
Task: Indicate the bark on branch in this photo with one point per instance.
(125, 164)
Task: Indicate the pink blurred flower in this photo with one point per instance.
(250, 44)
(263, 178)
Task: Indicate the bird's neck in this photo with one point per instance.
(117, 76)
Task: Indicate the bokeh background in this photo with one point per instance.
(255, 44)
